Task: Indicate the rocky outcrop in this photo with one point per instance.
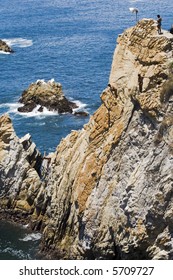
(111, 191)
(20, 164)
(4, 47)
(45, 94)
(107, 191)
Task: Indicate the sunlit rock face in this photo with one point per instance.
(108, 189)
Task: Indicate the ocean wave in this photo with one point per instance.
(135, 1)
(37, 113)
(1, 52)
(80, 105)
(15, 253)
(31, 237)
(12, 108)
(18, 42)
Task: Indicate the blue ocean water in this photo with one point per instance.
(71, 41)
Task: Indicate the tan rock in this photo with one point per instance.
(45, 94)
(105, 195)
(19, 164)
(108, 192)
(4, 47)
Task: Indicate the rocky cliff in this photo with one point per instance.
(107, 191)
(20, 167)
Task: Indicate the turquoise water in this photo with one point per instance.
(71, 41)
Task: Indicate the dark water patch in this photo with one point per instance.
(17, 242)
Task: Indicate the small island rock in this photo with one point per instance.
(45, 94)
(4, 47)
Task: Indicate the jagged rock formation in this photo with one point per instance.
(45, 94)
(108, 189)
(4, 47)
(20, 164)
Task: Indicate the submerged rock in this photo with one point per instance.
(45, 94)
(4, 47)
(81, 114)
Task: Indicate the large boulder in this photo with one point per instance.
(4, 47)
(45, 94)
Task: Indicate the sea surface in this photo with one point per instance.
(71, 41)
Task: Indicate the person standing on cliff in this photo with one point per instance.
(159, 24)
(171, 30)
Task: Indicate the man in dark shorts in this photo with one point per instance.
(159, 24)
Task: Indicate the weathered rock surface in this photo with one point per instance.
(107, 191)
(4, 47)
(45, 94)
(20, 164)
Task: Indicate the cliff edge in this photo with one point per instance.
(107, 191)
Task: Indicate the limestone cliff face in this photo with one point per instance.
(108, 189)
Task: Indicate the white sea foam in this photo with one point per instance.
(18, 42)
(80, 105)
(135, 1)
(36, 113)
(15, 252)
(1, 52)
(31, 237)
(13, 108)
